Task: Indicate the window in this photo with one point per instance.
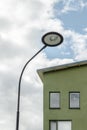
(74, 99)
(64, 125)
(60, 125)
(53, 125)
(54, 99)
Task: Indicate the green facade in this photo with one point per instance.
(65, 80)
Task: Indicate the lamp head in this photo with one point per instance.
(52, 39)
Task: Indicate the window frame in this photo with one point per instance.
(69, 99)
(59, 100)
(56, 121)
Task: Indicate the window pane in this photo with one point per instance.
(54, 100)
(64, 125)
(53, 125)
(74, 100)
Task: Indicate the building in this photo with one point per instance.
(65, 96)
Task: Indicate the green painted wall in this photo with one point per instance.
(66, 80)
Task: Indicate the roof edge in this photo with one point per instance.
(59, 67)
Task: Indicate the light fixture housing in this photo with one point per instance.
(52, 39)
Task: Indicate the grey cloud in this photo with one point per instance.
(7, 49)
(11, 50)
(31, 101)
(5, 24)
(8, 88)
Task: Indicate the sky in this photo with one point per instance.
(22, 25)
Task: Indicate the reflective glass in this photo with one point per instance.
(53, 125)
(54, 100)
(74, 100)
(64, 125)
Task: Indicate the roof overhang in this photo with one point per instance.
(60, 67)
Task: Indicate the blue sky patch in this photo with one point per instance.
(72, 20)
(57, 52)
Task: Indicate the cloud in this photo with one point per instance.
(80, 46)
(85, 29)
(83, 4)
(77, 43)
(22, 23)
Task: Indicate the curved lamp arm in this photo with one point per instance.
(19, 86)
(49, 39)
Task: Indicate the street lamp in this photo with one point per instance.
(49, 39)
(52, 39)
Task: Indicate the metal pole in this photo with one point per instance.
(19, 87)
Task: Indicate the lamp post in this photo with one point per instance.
(49, 39)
